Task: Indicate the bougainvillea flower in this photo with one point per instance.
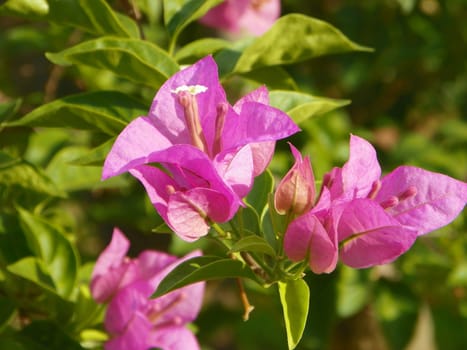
(209, 150)
(296, 191)
(374, 220)
(133, 320)
(237, 16)
(417, 198)
(368, 235)
(420, 199)
(307, 238)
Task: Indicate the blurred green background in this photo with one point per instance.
(409, 98)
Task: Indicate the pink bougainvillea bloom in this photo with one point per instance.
(133, 320)
(238, 16)
(209, 150)
(368, 235)
(417, 198)
(296, 191)
(307, 238)
(375, 220)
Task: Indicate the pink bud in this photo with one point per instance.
(296, 191)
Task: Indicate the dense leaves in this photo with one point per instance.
(74, 74)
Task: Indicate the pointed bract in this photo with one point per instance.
(133, 320)
(296, 191)
(437, 201)
(306, 238)
(202, 144)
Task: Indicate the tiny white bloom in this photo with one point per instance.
(192, 89)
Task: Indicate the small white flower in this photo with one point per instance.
(192, 89)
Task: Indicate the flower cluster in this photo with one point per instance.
(237, 16)
(365, 219)
(133, 320)
(208, 151)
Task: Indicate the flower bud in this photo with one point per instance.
(296, 191)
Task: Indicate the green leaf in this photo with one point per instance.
(7, 311)
(69, 177)
(86, 311)
(353, 291)
(301, 106)
(33, 270)
(293, 38)
(200, 48)
(96, 156)
(273, 77)
(93, 16)
(13, 245)
(106, 111)
(295, 300)
(136, 60)
(202, 268)
(18, 178)
(259, 194)
(39, 291)
(50, 335)
(254, 244)
(9, 109)
(26, 7)
(54, 249)
(179, 13)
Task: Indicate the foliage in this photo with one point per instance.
(74, 74)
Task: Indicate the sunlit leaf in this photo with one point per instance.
(69, 177)
(54, 249)
(293, 38)
(96, 156)
(274, 77)
(8, 109)
(34, 270)
(202, 268)
(106, 111)
(200, 48)
(254, 244)
(94, 16)
(295, 300)
(179, 13)
(137, 60)
(301, 106)
(18, 177)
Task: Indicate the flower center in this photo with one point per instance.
(190, 106)
(222, 109)
(187, 98)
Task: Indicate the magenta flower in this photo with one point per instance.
(133, 320)
(373, 220)
(209, 151)
(237, 16)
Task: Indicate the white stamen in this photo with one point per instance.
(191, 89)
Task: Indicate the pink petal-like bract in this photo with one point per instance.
(306, 238)
(296, 191)
(133, 320)
(355, 179)
(368, 235)
(236, 16)
(435, 201)
(202, 145)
